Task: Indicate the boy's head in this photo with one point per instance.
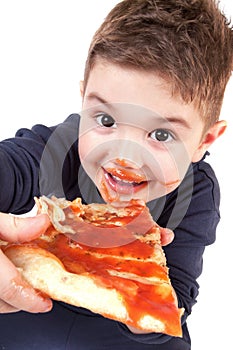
(154, 82)
(186, 42)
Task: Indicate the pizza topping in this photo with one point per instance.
(54, 207)
(134, 277)
(143, 284)
(107, 227)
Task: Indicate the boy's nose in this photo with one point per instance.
(129, 154)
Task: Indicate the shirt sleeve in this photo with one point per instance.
(192, 211)
(34, 163)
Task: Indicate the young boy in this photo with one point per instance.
(154, 82)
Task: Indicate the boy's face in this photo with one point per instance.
(136, 140)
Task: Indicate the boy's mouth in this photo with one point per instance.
(124, 181)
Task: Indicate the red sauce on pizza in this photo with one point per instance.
(139, 298)
(108, 230)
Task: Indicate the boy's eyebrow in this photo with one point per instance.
(175, 119)
(95, 95)
(178, 120)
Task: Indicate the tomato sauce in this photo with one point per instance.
(127, 175)
(139, 298)
(111, 230)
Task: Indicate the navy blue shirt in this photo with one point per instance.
(45, 161)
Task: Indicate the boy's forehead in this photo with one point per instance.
(114, 83)
(105, 71)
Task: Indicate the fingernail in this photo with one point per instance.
(47, 306)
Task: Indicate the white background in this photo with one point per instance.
(43, 47)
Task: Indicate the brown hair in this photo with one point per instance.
(187, 42)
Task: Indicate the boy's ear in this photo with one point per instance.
(81, 87)
(211, 135)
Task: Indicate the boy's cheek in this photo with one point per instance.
(167, 165)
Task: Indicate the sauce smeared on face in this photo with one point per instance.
(126, 175)
(118, 182)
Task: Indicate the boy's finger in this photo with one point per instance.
(167, 236)
(18, 229)
(15, 292)
(6, 308)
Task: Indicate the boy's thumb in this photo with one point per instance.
(18, 229)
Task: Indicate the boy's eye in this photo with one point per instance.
(161, 135)
(105, 120)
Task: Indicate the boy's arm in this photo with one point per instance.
(32, 163)
(19, 158)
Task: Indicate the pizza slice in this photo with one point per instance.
(106, 259)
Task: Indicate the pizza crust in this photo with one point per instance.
(43, 271)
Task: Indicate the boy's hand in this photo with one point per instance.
(15, 293)
(167, 236)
